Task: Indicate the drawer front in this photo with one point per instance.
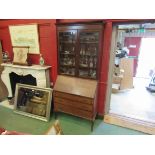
(73, 97)
(73, 111)
(75, 104)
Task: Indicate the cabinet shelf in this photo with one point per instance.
(82, 67)
(71, 66)
(89, 42)
(69, 42)
(71, 54)
(89, 55)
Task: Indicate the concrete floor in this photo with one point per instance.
(137, 103)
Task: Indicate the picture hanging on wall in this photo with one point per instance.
(25, 35)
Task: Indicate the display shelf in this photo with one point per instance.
(67, 66)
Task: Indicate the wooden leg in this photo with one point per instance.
(56, 114)
(92, 125)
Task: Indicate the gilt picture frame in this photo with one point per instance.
(33, 101)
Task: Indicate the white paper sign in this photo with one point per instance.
(132, 46)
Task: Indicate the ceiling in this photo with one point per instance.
(136, 26)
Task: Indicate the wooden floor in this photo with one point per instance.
(137, 103)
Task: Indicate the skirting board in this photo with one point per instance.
(130, 123)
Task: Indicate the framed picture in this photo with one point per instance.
(33, 101)
(25, 35)
(20, 55)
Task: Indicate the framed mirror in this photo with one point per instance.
(33, 101)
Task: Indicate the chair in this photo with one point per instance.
(55, 129)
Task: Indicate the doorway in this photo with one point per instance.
(146, 57)
(130, 103)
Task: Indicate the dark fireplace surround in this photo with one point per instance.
(15, 78)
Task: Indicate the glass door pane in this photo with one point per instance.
(67, 45)
(88, 53)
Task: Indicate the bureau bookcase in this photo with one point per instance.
(75, 89)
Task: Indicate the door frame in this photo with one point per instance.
(115, 119)
(111, 69)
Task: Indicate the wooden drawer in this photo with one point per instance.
(73, 97)
(73, 111)
(75, 104)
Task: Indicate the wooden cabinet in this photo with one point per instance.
(75, 96)
(78, 50)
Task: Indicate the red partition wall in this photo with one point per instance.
(105, 55)
(47, 41)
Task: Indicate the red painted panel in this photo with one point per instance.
(77, 20)
(53, 51)
(45, 46)
(6, 40)
(101, 98)
(5, 23)
(104, 67)
(129, 43)
(44, 31)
